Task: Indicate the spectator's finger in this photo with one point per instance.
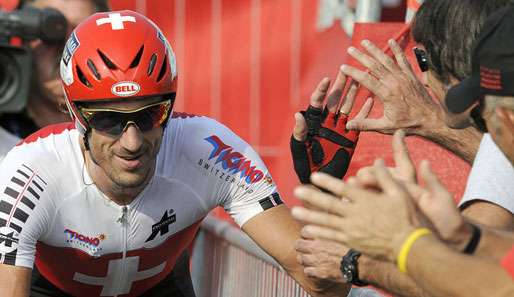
(374, 67)
(306, 235)
(431, 180)
(385, 180)
(380, 56)
(300, 127)
(327, 233)
(304, 245)
(316, 217)
(334, 96)
(367, 80)
(321, 201)
(349, 99)
(341, 189)
(401, 59)
(381, 125)
(310, 259)
(319, 93)
(365, 109)
(404, 166)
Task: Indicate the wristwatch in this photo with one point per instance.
(349, 268)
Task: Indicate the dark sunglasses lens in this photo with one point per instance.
(421, 57)
(151, 117)
(108, 122)
(114, 123)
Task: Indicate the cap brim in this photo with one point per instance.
(461, 96)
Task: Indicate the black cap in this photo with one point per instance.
(492, 63)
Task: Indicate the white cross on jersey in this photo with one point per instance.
(116, 21)
(111, 282)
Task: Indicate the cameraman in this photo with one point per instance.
(46, 104)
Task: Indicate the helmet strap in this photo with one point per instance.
(85, 138)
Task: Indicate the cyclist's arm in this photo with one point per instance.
(276, 232)
(15, 281)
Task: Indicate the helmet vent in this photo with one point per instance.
(137, 58)
(162, 72)
(82, 77)
(93, 69)
(107, 61)
(151, 66)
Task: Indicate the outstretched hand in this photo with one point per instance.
(320, 140)
(375, 211)
(407, 104)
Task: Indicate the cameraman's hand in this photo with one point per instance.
(320, 141)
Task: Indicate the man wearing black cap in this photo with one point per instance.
(490, 89)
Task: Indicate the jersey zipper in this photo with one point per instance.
(123, 220)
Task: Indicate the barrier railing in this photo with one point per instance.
(227, 263)
(365, 11)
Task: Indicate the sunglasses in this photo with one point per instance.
(421, 57)
(114, 121)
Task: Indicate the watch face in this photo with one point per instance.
(348, 277)
(347, 274)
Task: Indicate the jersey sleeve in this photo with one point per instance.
(227, 169)
(25, 210)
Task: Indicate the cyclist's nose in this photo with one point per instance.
(131, 138)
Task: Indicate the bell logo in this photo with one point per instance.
(125, 88)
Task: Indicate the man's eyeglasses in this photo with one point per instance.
(421, 57)
(114, 121)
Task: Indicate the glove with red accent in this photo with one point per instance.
(320, 140)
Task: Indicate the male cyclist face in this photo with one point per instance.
(125, 157)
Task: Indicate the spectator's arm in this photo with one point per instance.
(461, 275)
(488, 214)
(386, 276)
(462, 142)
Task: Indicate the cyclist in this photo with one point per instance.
(105, 206)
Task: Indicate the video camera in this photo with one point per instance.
(17, 27)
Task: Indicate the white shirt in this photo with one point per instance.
(491, 178)
(88, 245)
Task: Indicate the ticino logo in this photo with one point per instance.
(87, 240)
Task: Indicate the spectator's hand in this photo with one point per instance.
(438, 206)
(404, 169)
(407, 104)
(321, 258)
(372, 222)
(433, 199)
(320, 141)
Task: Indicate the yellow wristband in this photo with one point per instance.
(401, 260)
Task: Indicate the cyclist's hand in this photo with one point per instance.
(320, 140)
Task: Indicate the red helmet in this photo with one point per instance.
(116, 55)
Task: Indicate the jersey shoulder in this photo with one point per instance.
(195, 135)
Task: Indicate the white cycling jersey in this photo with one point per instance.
(51, 212)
